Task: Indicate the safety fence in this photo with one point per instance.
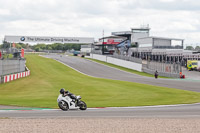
(164, 68)
(164, 74)
(11, 77)
(9, 66)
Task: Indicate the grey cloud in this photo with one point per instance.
(85, 17)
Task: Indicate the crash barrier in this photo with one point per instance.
(121, 57)
(11, 77)
(164, 68)
(9, 66)
(164, 74)
(119, 62)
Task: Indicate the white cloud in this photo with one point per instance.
(4, 12)
(170, 18)
(167, 0)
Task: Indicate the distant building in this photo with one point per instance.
(145, 46)
(109, 43)
(134, 34)
(86, 48)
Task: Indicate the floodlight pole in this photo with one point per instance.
(103, 44)
(10, 48)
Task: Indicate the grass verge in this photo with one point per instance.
(42, 87)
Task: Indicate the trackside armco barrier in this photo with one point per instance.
(11, 77)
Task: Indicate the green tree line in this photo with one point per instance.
(56, 46)
(6, 45)
(197, 48)
(40, 47)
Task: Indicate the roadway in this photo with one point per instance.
(170, 111)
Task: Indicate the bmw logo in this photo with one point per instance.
(22, 38)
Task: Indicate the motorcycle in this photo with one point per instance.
(65, 103)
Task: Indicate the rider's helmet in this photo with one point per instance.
(62, 91)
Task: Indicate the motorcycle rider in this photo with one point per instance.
(156, 74)
(67, 93)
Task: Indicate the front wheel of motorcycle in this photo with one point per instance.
(63, 105)
(82, 105)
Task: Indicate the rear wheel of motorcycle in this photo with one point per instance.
(83, 106)
(63, 105)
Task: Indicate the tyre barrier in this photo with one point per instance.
(11, 77)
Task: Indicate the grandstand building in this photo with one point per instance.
(148, 47)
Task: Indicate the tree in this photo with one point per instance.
(189, 48)
(197, 48)
(76, 47)
(37, 49)
(56, 46)
(22, 45)
(18, 46)
(6, 45)
(48, 47)
(59, 47)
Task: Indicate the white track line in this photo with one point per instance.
(156, 106)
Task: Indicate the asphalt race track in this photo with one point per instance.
(98, 70)
(171, 111)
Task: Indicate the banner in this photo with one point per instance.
(49, 40)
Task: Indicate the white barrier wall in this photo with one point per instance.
(99, 57)
(126, 64)
(119, 62)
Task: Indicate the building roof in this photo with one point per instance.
(142, 28)
(122, 33)
(166, 38)
(111, 37)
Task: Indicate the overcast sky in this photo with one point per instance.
(88, 18)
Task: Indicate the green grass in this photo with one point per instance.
(48, 76)
(125, 69)
(4, 118)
